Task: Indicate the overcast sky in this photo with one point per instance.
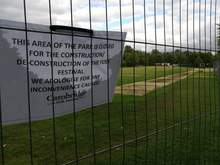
(37, 12)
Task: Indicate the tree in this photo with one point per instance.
(198, 61)
(207, 58)
(170, 58)
(139, 58)
(218, 40)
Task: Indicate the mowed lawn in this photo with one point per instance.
(181, 122)
(136, 74)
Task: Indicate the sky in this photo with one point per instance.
(158, 17)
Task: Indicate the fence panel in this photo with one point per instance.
(141, 82)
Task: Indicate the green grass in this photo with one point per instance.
(196, 141)
(129, 73)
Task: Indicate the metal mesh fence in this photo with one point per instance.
(165, 108)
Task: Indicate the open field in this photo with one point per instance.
(131, 74)
(140, 88)
(181, 121)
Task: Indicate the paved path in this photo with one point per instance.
(128, 89)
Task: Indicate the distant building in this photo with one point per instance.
(163, 64)
(202, 65)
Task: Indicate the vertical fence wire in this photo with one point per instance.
(1, 131)
(215, 76)
(210, 74)
(108, 92)
(52, 85)
(180, 81)
(218, 70)
(92, 89)
(134, 80)
(204, 79)
(193, 83)
(164, 74)
(215, 49)
(155, 83)
(75, 146)
(173, 108)
(213, 83)
(121, 80)
(28, 85)
(199, 85)
(187, 80)
(145, 84)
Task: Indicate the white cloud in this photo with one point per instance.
(38, 12)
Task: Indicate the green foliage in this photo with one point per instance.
(185, 58)
(218, 39)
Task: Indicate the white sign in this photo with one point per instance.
(73, 78)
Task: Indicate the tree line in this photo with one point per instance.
(184, 58)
